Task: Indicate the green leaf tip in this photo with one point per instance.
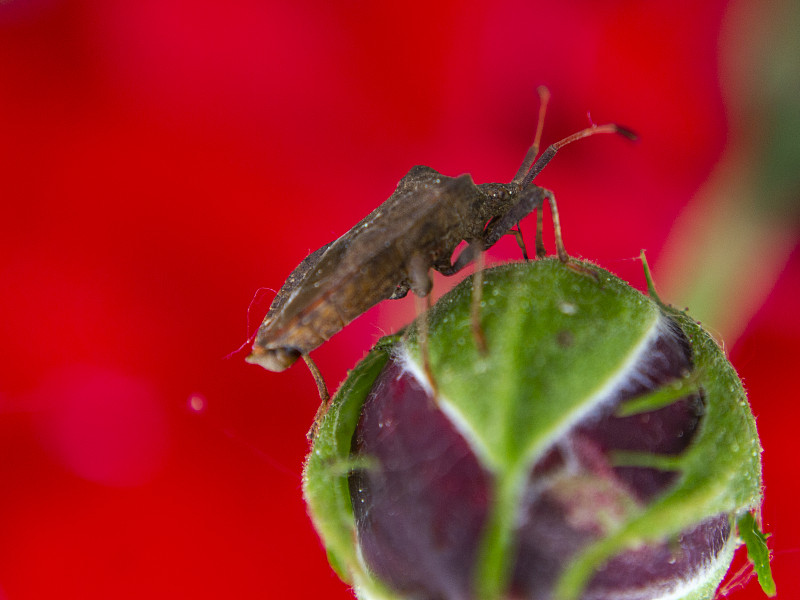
(757, 551)
(651, 286)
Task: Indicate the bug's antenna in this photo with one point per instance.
(544, 96)
(548, 154)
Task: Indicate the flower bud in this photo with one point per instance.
(601, 448)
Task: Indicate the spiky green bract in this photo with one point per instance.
(560, 338)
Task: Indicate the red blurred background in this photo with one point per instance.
(160, 161)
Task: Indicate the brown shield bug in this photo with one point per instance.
(392, 250)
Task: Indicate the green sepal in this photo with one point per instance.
(757, 551)
(325, 473)
(557, 334)
(661, 397)
(720, 471)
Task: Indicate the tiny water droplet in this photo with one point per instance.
(568, 308)
(197, 403)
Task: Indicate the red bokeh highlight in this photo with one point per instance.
(105, 428)
(161, 161)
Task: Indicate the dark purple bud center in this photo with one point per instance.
(421, 507)
(422, 500)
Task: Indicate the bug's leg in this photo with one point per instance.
(544, 97)
(474, 251)
(324, 396)
(551, 200)
(423, 306)
(475, 306)
(467, 255)
(421, 285)
(530, 199)
(562, 253)
(517, 231)
(541, 251)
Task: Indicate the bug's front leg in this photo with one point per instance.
(466, 256)
(530, 199)
(324, 396)
(516, 231)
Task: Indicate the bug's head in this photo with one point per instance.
(273, 359)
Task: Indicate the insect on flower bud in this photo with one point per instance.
(601, 449)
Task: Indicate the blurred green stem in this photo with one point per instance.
(731, 243)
